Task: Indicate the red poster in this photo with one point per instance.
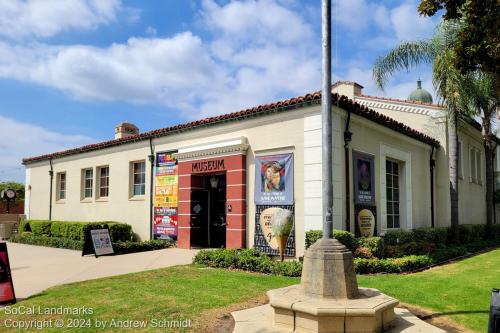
(6, 286)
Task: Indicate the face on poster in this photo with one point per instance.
(274, 179)
(6, 285)
(364, 178)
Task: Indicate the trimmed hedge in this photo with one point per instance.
(72, 244)
(256, 261)
(40, 228)
(76, 230)
(44, 240)
(345, 237)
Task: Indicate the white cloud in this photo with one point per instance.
(49, 17)
(245, 63)
(19, 139)
(409, 25)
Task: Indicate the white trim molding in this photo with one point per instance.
(406, 212)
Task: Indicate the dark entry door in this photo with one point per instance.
(200, 218)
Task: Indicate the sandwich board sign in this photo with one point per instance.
(98, 242)
(6, 285)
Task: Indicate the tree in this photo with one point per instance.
(482, 97)
(448, 82)
(18, 187)
(478, 43)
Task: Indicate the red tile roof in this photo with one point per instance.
(281, 106)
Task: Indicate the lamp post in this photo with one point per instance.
(326, 117)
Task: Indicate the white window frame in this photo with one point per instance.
(460, 160)
(405, 189)
(475, 165)
(99, 185)
(59, 182)
(132, 186)
(84, 185)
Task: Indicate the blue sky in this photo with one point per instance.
(71, 70)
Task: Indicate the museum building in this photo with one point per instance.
(214, 182)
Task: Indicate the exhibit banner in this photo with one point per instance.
(6, 285)
(166, 196)
(364, 178)
(274, 180)
(264, 237)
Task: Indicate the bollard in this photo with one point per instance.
(494, 324)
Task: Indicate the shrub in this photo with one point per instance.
(363, 252)
(40, 227)
(24, 226)
(375, 244)
(392, 265)
(441, 255)
(345, 237)
(132, 247)
(481, 245)
(120, 231)
(437, 236)
(312, 236)
(70, 230)
(44, 240)
(470, 233)
(396, 237)
(287, 268)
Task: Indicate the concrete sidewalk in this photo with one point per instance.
(36, 268)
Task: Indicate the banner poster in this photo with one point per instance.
(364, 178)
(365, 220)
(165, 196)
(263, 238)
(6, 285)
(274, 180)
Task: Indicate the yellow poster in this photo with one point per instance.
(165, 201)
(166, 180)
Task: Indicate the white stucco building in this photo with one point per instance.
(199, 180)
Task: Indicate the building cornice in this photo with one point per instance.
(239, 149)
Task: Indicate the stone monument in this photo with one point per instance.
(328, 299)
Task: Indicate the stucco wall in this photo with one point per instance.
(297, 131)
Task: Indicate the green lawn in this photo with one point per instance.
(460, 291)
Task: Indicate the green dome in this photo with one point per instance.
(420, 95)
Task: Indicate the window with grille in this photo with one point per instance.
(88, 180)
(393, 194)
(103, 182)
(61, 186)
(139, 178)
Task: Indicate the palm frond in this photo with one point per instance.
(405, 56)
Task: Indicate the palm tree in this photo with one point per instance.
(482, 97)
(449, 83)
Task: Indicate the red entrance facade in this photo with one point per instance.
(190, 172)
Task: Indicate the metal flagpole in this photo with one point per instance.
(326, 117)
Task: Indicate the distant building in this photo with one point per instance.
(215, 182)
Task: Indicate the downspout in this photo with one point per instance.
(51, 174)
(432, 164)
(493, 153)
(151, 182)
(347, 139)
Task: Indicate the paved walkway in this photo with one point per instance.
(36, 268)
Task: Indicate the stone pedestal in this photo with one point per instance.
(328, 299)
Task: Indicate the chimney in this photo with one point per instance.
(125, 129)
(347, 88)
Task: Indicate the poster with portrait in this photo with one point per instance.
(274, 180)
(364, 178)
(6, 285)
(165, 196)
